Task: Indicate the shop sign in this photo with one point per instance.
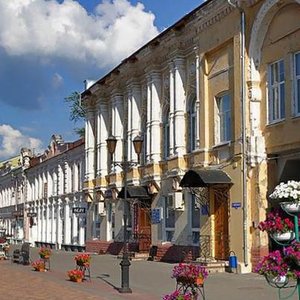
(17, 214)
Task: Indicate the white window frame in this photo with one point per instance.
(296, 81)
(276, 107)
(222, 135)
(168, 230)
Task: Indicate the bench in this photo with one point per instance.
(21, 256)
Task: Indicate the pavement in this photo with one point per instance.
(148, 280)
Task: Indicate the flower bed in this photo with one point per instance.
(275, 223)
(289, 191)
(190, 279)
(38, 265)
(276, 265)
(75, 275)
(45, 252)
(83, 259)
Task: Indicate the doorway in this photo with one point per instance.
(143, 225)
(221, 197)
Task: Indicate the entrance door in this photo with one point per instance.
(221, 224)
(144, 229)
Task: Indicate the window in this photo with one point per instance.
(193, 125)
(169, 217)
(223, 118)
(195, 209)
(297, 83)
(166, 128)
(276, 93)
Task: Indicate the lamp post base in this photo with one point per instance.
(125, 290)
(125, 263)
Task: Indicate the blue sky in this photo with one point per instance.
(49, 47)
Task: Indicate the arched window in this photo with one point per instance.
(193, 124)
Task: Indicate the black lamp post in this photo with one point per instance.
(125, 165)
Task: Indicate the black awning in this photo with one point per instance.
(204, 178)
(140, 192)
(291, 171)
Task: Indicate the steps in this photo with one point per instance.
(214, 266)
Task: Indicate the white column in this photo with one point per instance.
(172, 108)
(47, 223)
(136, 100)
(81, 239)
(74, 227)
(156, 117)
(67, 227)
(59, 223)
(89, 144)
(179, 107)
(102, 121)
(53, 227)
(197, 62)
(117, 125)
(149, 118)
(42, 228)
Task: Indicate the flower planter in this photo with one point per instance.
(40, 269)
(282, 237)
(76, 279)
(280, 280)
(291, 207)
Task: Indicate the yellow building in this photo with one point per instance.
(216, 98)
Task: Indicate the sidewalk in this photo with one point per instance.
(148, 281)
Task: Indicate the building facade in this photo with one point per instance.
(216, 99)
(50, 208)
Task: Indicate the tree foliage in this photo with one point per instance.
(77, 111)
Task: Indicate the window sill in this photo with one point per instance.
(276, 122)
(296, 117)
(221, 145)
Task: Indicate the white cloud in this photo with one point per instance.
(46, 28)
(12, 140)
(57, 81)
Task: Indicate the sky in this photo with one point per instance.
(49, 47)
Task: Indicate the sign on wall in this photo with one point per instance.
(78, 210)
(155, 215)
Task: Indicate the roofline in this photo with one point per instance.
(114, 70)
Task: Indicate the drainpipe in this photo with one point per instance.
(244, 138)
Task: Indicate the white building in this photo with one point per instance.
(49, 208)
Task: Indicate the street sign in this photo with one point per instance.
(78, 210)
(31, 214)
(236, 205)
(155, 215)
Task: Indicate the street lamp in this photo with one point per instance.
(125, 165)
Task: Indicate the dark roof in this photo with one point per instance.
(204, 178)
(291, 171)
(140, 192)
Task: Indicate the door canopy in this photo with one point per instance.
(136, 192)
(204, 178)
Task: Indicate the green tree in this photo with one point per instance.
(77, 111)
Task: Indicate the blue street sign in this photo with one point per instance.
(236, 205)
